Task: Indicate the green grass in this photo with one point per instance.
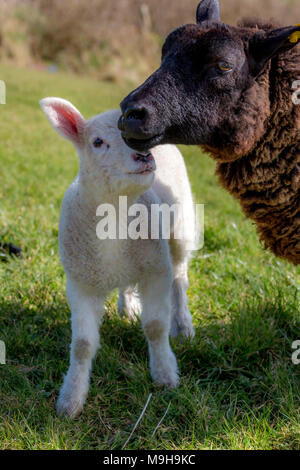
(239, 388)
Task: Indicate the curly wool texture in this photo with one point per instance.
(266, 179)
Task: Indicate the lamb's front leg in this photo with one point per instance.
(87, 313)
(156, 321)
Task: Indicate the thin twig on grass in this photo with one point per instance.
(161, 420)
(137, 423)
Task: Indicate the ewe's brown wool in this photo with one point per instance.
(266, 180)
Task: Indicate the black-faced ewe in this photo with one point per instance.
(111, 177)
(232, 90)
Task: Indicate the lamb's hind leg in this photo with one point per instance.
(182, 322)
(87, 313)
(129, 302)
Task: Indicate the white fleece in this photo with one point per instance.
(152, 275)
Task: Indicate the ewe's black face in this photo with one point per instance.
(206, 69)
(201, 77)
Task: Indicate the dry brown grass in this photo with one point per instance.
(115, 40)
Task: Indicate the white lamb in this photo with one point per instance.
(153, 271)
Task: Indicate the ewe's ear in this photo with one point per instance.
(64, 118)
(208, 10)
(264, 46)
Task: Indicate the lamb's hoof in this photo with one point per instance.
(182, 329)
(69, 407)
(166, 375)
(170, 381)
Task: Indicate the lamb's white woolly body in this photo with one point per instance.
(151, 271)
(103, 264)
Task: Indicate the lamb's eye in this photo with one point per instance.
(224, 67)
(98, 142)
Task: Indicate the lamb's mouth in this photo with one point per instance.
(145, 172)
(146, 163)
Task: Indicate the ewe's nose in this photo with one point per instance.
(137, 113)
(134, 123)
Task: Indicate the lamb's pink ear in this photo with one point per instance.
(64, 118)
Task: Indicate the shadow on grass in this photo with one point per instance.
(246, 361)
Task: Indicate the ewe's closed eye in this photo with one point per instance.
(98, 142)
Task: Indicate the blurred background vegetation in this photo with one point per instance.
(112, 40)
